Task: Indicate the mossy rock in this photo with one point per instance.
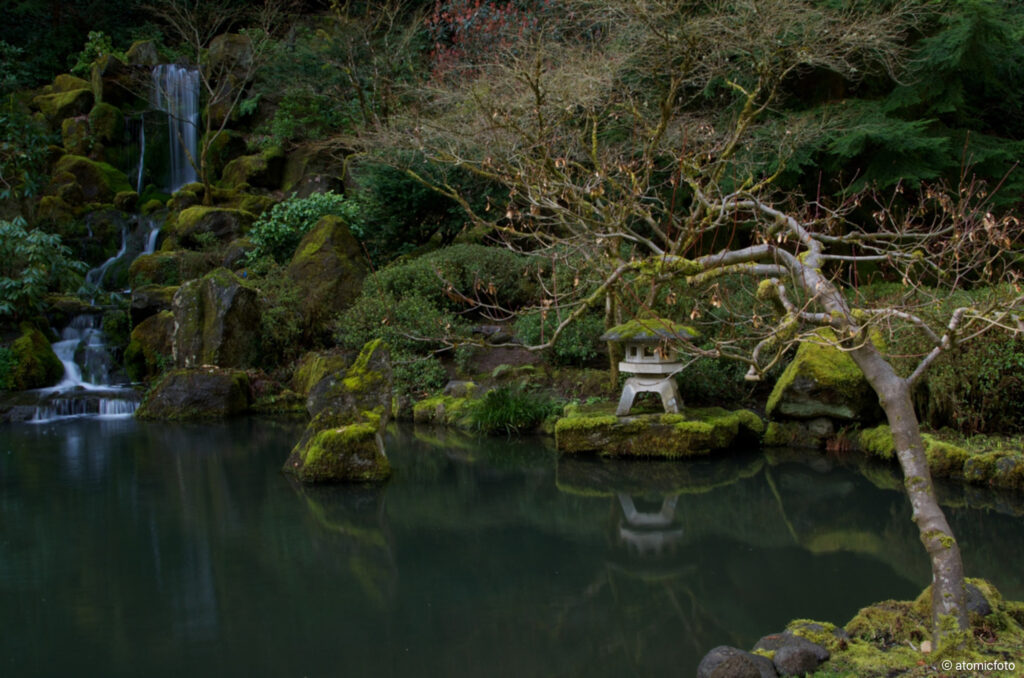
(365, 386)
(353, 453)
(65, 82)
(55, 210)
(262, 170)
(169, 268)
(225, 146)
(106, 123)
(328, 268)
(444, 410)
(60, 105)
(98, 182)
(148, 300)
(348, 410)
(114, 82)
(184, 198)
(224, 224)
(694, 432)
(142, 53)
(199, 393)
(315, 366)
(217, 320)
(35, 363)
(823, 381)
(149, 349)
(75, 135)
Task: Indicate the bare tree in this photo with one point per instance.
(639, 189)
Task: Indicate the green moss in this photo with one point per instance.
(35, 363)
(313, 367)
(878, 442)
(60, 105)
(99, 181)
(65, 82)
(106, 123)
(650, 328)
(779, 433)
(359, 378)
(823, 363)
(346, 453)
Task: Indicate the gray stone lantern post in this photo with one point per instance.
(650, 355)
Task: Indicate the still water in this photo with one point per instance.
(136, 549)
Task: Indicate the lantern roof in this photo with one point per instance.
(650, 329)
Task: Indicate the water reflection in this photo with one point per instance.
(155, 549)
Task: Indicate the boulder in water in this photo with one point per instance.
(349, 408)
(198, 393)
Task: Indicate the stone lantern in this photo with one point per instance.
(649, 354)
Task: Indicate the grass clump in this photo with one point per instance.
(511, 409)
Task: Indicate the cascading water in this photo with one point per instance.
(176, 92)
(86, 388)
(96, 275)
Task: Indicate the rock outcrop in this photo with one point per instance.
(349, 409)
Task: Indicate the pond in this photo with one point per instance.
(130, 548)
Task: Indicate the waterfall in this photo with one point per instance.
(142, 154)
(85, 390)
(176, 92)
(154, 233)
(96, 275)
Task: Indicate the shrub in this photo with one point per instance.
(578, 344)
(454, 276)
(416, 375)
(277, 232)
(281, 320)
(97, 44)
(409, 324)
(510, 409)
(24, 146)
(32, 263)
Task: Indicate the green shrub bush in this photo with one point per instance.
(278, 231)
(578, 345)
(511, 409)
(416, 375)
(32, 263)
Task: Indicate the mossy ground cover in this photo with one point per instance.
(693, 432)
(984, 460)
(889, 639)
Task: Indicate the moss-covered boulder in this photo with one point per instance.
(349, 410)
(352, 453)
(224, 224)
(57, 106)
(148, 300)
(97, 182)
(106, 123)
(169, 268)
(222, 147)
(198, 393)
(693, 432)
(150, 346)
(56, 211)
(315, 366)
(328, 267)
(445, 410)
(262, 170)
(35, 363)
(823, 381)
(65, 82)
(217, 320)
(142, 53)
(115, 82)
(75, 135)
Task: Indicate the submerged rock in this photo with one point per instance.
(349, 409)
(200, 393)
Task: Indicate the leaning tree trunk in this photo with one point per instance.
(949, 608)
